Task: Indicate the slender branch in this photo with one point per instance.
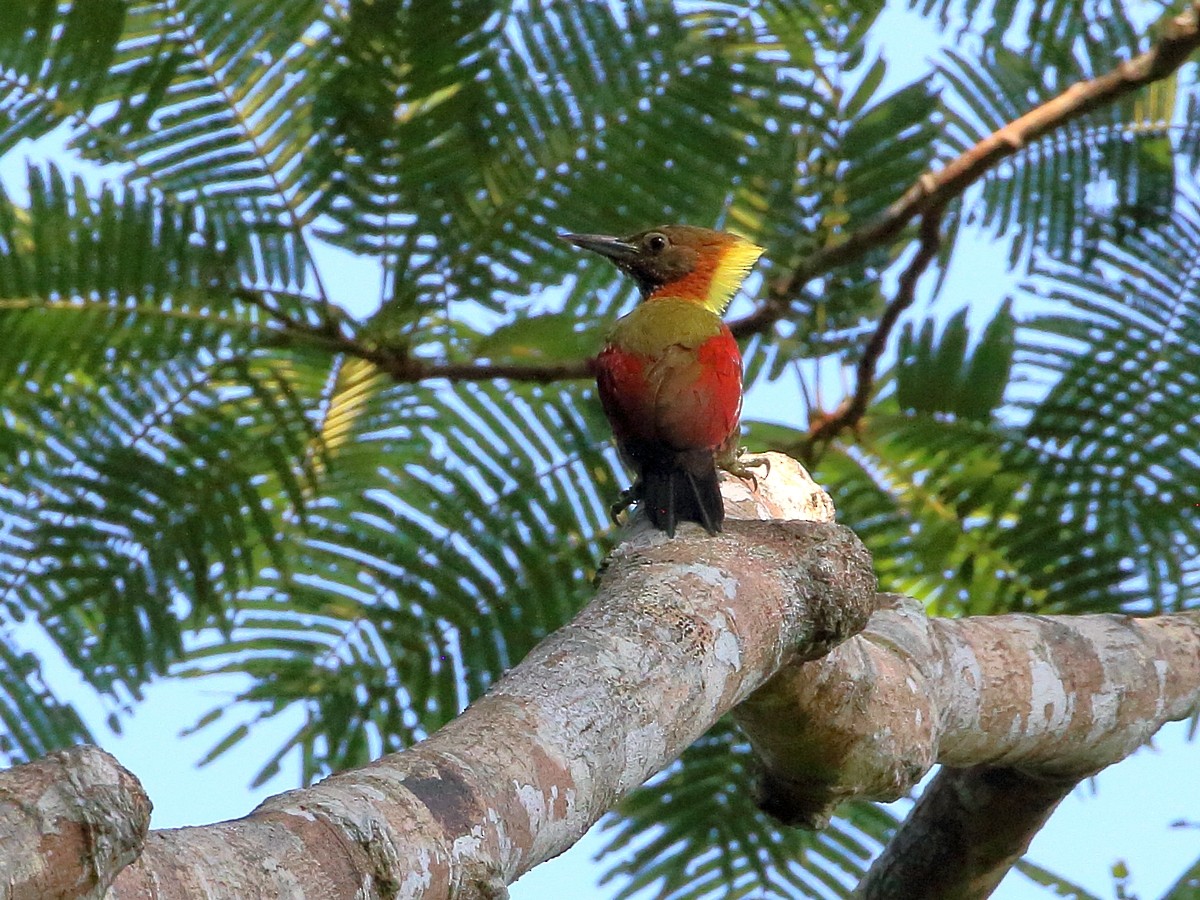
(934, 191)
(401, 365)
(761, 319)
(258, 299)
(851, 410)
(1180, 38)
(929, 197)
(404, 368)
(412, 369)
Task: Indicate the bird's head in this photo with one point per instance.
(679, 261)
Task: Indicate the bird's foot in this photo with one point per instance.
(736, 463)
(629, 496)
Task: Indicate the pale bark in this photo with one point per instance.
(68, 824)
(1052, 695)
(1019, 709)
(679, 632)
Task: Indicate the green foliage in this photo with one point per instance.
(1117, 454)
(695, 831)
(57, 61)
(930, 490)
(33, 720)
(1045, 30)
(1077, 501)
(946, 377)
(1186, 885)
(149, 444)
(1113, 167)
(205, 470)
(1058, 886)
(456, 529)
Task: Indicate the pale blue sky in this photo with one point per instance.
(1124, 814)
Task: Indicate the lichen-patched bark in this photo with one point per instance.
(673, 641)
(678, 633)
(1080, 693)
(1052, 695)
(68, 823)
(1019, 708)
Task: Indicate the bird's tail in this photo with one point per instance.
(684, 488)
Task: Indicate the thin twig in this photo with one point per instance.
(851, 410)
(411, 369)
(259, 300)
(404, 368)
(397, 362)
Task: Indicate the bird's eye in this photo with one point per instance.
(656, 242)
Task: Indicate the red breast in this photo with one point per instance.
(686, 398)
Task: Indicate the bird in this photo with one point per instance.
(670, 373)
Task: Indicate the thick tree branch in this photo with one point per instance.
(1020, 707)
(1053, 695)
(679, 632)
(68, 824)
(966, 831)
(996, 809)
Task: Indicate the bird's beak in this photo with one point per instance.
(613, 248)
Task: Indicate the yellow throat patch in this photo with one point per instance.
(719, 272)
(731, 270)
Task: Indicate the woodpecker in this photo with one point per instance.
(670, 373)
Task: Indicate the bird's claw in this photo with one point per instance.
(739, 465)
(629, 496)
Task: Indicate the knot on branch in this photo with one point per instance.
(71, 822)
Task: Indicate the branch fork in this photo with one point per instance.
(766, 619)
